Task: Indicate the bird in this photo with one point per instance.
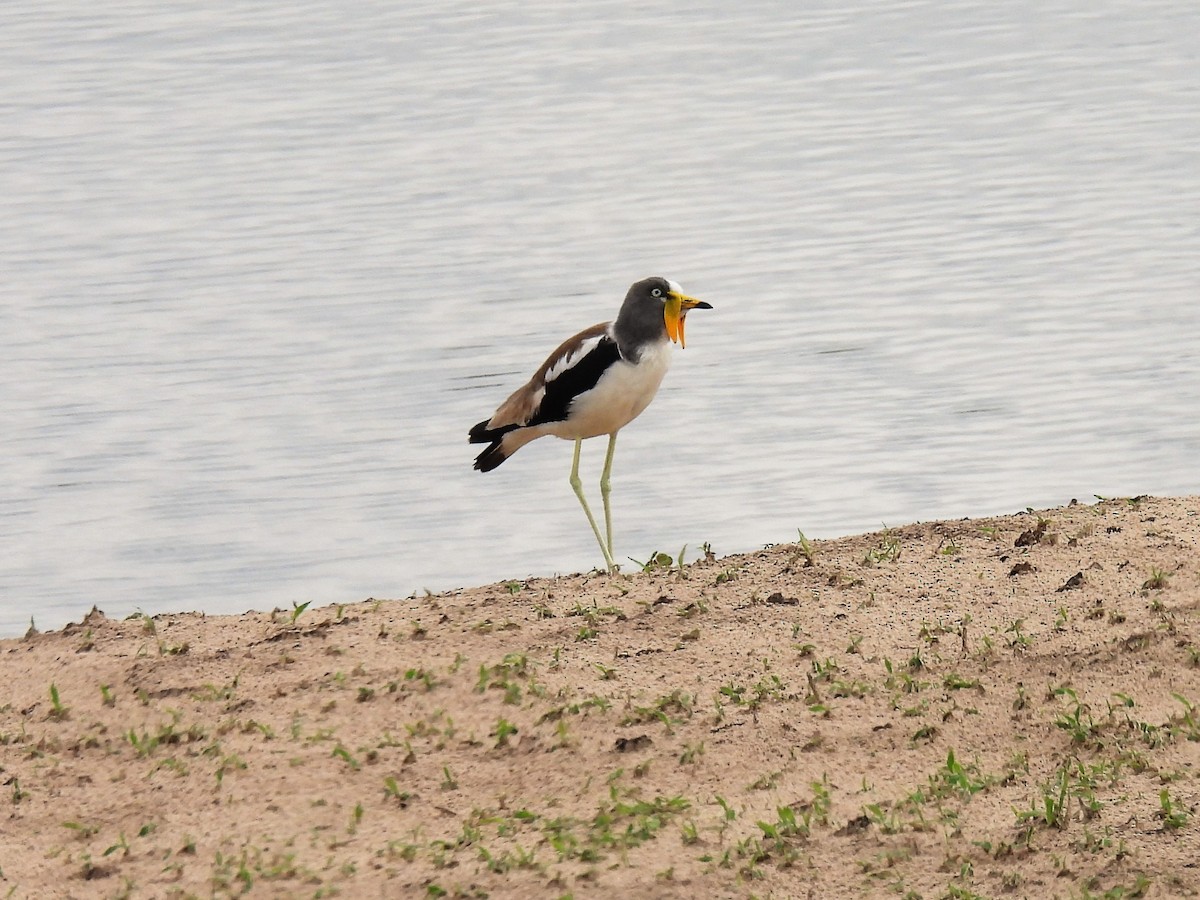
(595, 383)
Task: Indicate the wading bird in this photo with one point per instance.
(595, 383)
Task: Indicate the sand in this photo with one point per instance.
(996, 707)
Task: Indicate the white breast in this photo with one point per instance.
(618, 398)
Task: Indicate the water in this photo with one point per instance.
(261, 268)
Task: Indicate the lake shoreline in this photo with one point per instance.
(983, 705)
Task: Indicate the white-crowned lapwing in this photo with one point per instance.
(595, 383)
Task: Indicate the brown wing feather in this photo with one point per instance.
(523, 404)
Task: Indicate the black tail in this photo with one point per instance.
(493, 455)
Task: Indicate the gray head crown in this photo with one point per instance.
(640, 322)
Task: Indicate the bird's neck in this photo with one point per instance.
(635, 336)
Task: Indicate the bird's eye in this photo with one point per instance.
(656, 292)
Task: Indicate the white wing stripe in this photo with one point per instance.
(567, 360)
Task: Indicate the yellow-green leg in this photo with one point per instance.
(577, 487)
(606, 489)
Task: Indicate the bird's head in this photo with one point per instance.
(675, 305)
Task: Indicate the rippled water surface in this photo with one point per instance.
(262, 267)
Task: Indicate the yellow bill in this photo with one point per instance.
(675, 311)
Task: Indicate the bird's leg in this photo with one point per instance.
(606, 489)
(577, 486)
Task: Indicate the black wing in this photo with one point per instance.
(577, 379)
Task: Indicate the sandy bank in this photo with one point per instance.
(995, 707)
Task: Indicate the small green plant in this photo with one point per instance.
(884, 817)
(735, 692)
(1173, 815)
(729, 574)
(229, 763)
(57, 710)
(818, 810)
(121, 844)
(165, 649)
(1020, 640)
(298, 610)
(786, 827)
(344, 755)
(391, 789)
(955, 778)
(887, 551)
(421, 675)
(767, 782)
(502, 731)
(1022, 700)
(82, 831)
(1077, 720)
(144, 743)
(1157, 580)
(804, 550)
(728, 812)
(657, 561)
(854, 687)
(925, 733)
(955, 682)
(1052, 812)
